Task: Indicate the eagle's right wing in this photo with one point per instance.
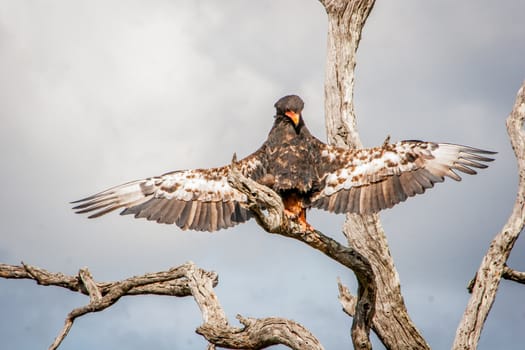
(365, 181)
(198, 199)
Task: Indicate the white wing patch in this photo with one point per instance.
(366, 166)
(199, 185)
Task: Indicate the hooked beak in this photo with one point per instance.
(293, 116)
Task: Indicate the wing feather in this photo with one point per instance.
(341, 202)
(369, 204)
(380, 198)
(354, 198)
(202, 219)
(364, 202)
(369, 180)
(198, 199)
(171, 211)
(220, 215)
(213, 214)
(186, 217)
(389, 192)
(227, 210)
(159, 210)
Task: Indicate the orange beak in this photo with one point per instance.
(293, 116)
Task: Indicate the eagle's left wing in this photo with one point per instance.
(196, 199)
(368, 180)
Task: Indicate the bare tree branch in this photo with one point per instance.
(173, 284)
(513, 275)
(275, 221)
(103, 295)
(260, 333)
(493, 266)
(347, 300)
(180, 281)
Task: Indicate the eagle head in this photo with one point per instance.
(290, 106)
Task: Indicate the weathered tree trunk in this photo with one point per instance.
(364, 233)
(493, 268)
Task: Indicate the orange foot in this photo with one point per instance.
(294, 210)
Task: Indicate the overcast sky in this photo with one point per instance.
(93, 94)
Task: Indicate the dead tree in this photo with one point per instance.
(391, 323)
(378, 304)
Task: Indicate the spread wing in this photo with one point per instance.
(368, 180)
(198, 199)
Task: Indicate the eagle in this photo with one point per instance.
(304, 171)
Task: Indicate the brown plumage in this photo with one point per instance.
(304, 171)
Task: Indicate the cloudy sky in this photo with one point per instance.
(97, 93)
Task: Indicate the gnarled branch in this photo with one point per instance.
(181, 281)
(256, 333)
(104, 294)
(169, 282)
(260, 333)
